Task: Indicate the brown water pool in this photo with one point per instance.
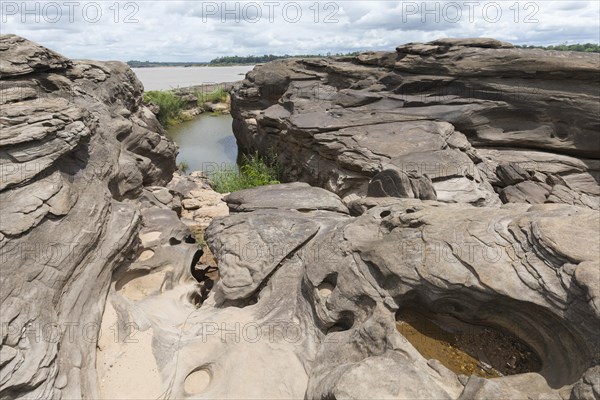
(466, 348)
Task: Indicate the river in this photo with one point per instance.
(206, 143)
(165, 78)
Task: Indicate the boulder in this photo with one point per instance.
(394, 183)
(291, 196)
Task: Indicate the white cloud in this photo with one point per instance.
(202, 30)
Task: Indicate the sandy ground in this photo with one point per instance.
(125, 362)
(144, 319)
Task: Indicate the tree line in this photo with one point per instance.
(251, 60)
(586, 47)
(151, 64)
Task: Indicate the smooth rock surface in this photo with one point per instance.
(531, 270)
(290, 196)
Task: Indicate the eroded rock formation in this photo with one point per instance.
(466, 122)
(337, 283)
(463, 112)
(78, 153)
(106, 294)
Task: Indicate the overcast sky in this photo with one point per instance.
(203, 30)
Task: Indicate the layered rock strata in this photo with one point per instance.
(106, 292)
(486, 122)
(78, 153)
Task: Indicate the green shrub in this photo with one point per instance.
(183, 166)
(170, 106)
(254, 171)
(219, 95)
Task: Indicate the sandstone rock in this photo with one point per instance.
(511, 174)
(77, 148)
(290, 196)
(509, 267)
(22, 57)
(309, 292)
(129, 360)
(217, 107)
(588, 387)
(163, 196)
(477, 116)
(394, 183)
(525, 192)
(191, 204)
(473, 42)
(309, 296)
(531, 385)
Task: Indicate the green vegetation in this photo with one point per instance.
(183, 166)
(254, 171)
(219, 95)
(587, 47)
(200, 239)
(250, 60)
(170, 106)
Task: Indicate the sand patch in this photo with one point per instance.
(124, 360)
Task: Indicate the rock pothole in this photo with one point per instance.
(325, 289)
(492, 337)
(466, 348)
(197, 381)
(137, 285)
(148, 238)
(146, 255)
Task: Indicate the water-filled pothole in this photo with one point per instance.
(555, 347)
(466, 348)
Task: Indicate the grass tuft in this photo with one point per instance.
(254, 171)
(170, 106)
(219, 95)
(183, 166)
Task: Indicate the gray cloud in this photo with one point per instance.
(202, 30)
